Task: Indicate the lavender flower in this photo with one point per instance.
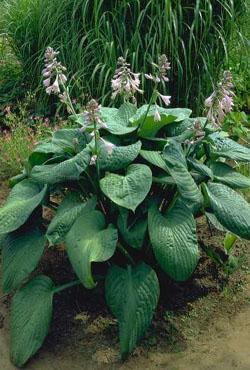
(220, 102)
(92, 114)
(53, 73)
(93, 160)
(161, 70)
(157, 116)
(109, 146)
(125, 82)
(160, 76)
(165, 99)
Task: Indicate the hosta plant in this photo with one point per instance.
(126, 186)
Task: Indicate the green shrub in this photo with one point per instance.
(126, 186)
(18, 136)
(92, 34)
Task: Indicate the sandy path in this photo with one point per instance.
(226, 347)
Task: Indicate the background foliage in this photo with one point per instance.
(91, 35)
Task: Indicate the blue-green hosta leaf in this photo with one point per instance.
(61, 141)
(177, 167)
(22, 200)
(90, 241)
(154, 158)
(231, 210)
(229, 176)
(164, 180)
(149, 127)
(16, 179)
(117, 120)
(21, 253)
(120, 157)
(134, 233)
(178, 128)
(227, 148)
(132, 296)
(130, 190)
(31, 313)
(214, 221)
(68, 170)
(174, 241)
(66, 214)
(201, 168)
(67, 138)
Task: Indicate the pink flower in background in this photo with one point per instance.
(7, 110)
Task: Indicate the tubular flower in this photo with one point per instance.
(53, 73)
(220, 102)
(161, 69)
(157, 116)
(92, 113)
(109, 146)
(125, 83)
(160, 75)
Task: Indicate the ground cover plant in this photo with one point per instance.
(91, 35)
(20, 130)
(125, 186)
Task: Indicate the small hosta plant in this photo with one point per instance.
(126, 186)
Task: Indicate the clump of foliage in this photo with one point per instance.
(11, 86)
(132, 182)
(19, 133)
(92, 34)
(239, 55)
(237, 125)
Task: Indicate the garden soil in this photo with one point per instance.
(202, 324)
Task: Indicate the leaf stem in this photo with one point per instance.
(96, 151)
(126, 254)
(66, 286)
(152, 100)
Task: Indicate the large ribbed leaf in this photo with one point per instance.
(22, 200)
(132, 297)
(174, 240)
(120, 157)
(229, 176)
(154, 158)
(178, 128)
(66, 214)
(65, 171)
(201, 168)
(61, 141)
(133, 232)
(21, 253)
(227, 148)
(90, 241)
(149, 127)
(214, 221)
(31, 313)
(231, 210)
(67, 137)
(130, 190)
(177, 167)
(117, 120)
